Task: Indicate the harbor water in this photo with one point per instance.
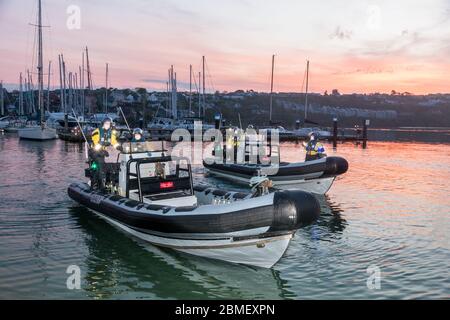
(389, 213)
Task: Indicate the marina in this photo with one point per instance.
(380, 220)
(184, 168)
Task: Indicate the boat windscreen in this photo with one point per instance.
(140, 147)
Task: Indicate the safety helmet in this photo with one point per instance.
(138, 131)
(107, 119)
(313, 135)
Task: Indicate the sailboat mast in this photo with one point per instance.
(204, 99)
(169, 92)
(106, 90)
(2, 104)
(168, 98)
(64, 83)
(21, 111)
(40, 66)
(48, 85)
(88, 70)
(175, 103)
(83, 101)
(31, 86)
(190, 89)
(61, 94)
(199, 96)
(271, 88)
(76, 92)
(29, 94)
(70, 90)
(80, 91)
(306, 91)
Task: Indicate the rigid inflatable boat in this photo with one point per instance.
(259, 158)
(315, 176)
(151, 196)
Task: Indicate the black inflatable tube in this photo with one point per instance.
(332, 166)
(335, 166)
(291, 210)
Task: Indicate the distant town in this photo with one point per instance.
(397, 109)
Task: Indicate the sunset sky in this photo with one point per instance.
(353, 45)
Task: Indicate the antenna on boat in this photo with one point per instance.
(124, 118)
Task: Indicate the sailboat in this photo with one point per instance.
(161, 128)
(39, 132)
(303, 132)
(283, 133)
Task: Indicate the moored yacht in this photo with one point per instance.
(41, 131)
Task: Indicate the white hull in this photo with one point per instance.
(11, 129)
(316, 186)
(37, 133)
(262, 253)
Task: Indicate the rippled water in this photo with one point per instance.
(390, 210)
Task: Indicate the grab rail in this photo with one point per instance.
(140, 161)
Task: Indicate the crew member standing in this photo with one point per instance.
(102, 138)
(314, 149)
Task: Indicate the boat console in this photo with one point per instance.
(150, 176)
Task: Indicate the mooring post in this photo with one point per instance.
(66, 121)
(217, 127)
(366, 124)
(335, 132)
(217, 121)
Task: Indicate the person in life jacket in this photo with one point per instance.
(138, 135)
(229, 141)
(232, 144)
(137, 141)
(314, 149)
(238, 135)
(104, 136)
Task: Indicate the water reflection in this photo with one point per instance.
(73, 147)
(331, 215)
(389, 209)
(118, 264)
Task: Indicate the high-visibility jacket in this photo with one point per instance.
(314, 147)
(104, 138)
(142, 139)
